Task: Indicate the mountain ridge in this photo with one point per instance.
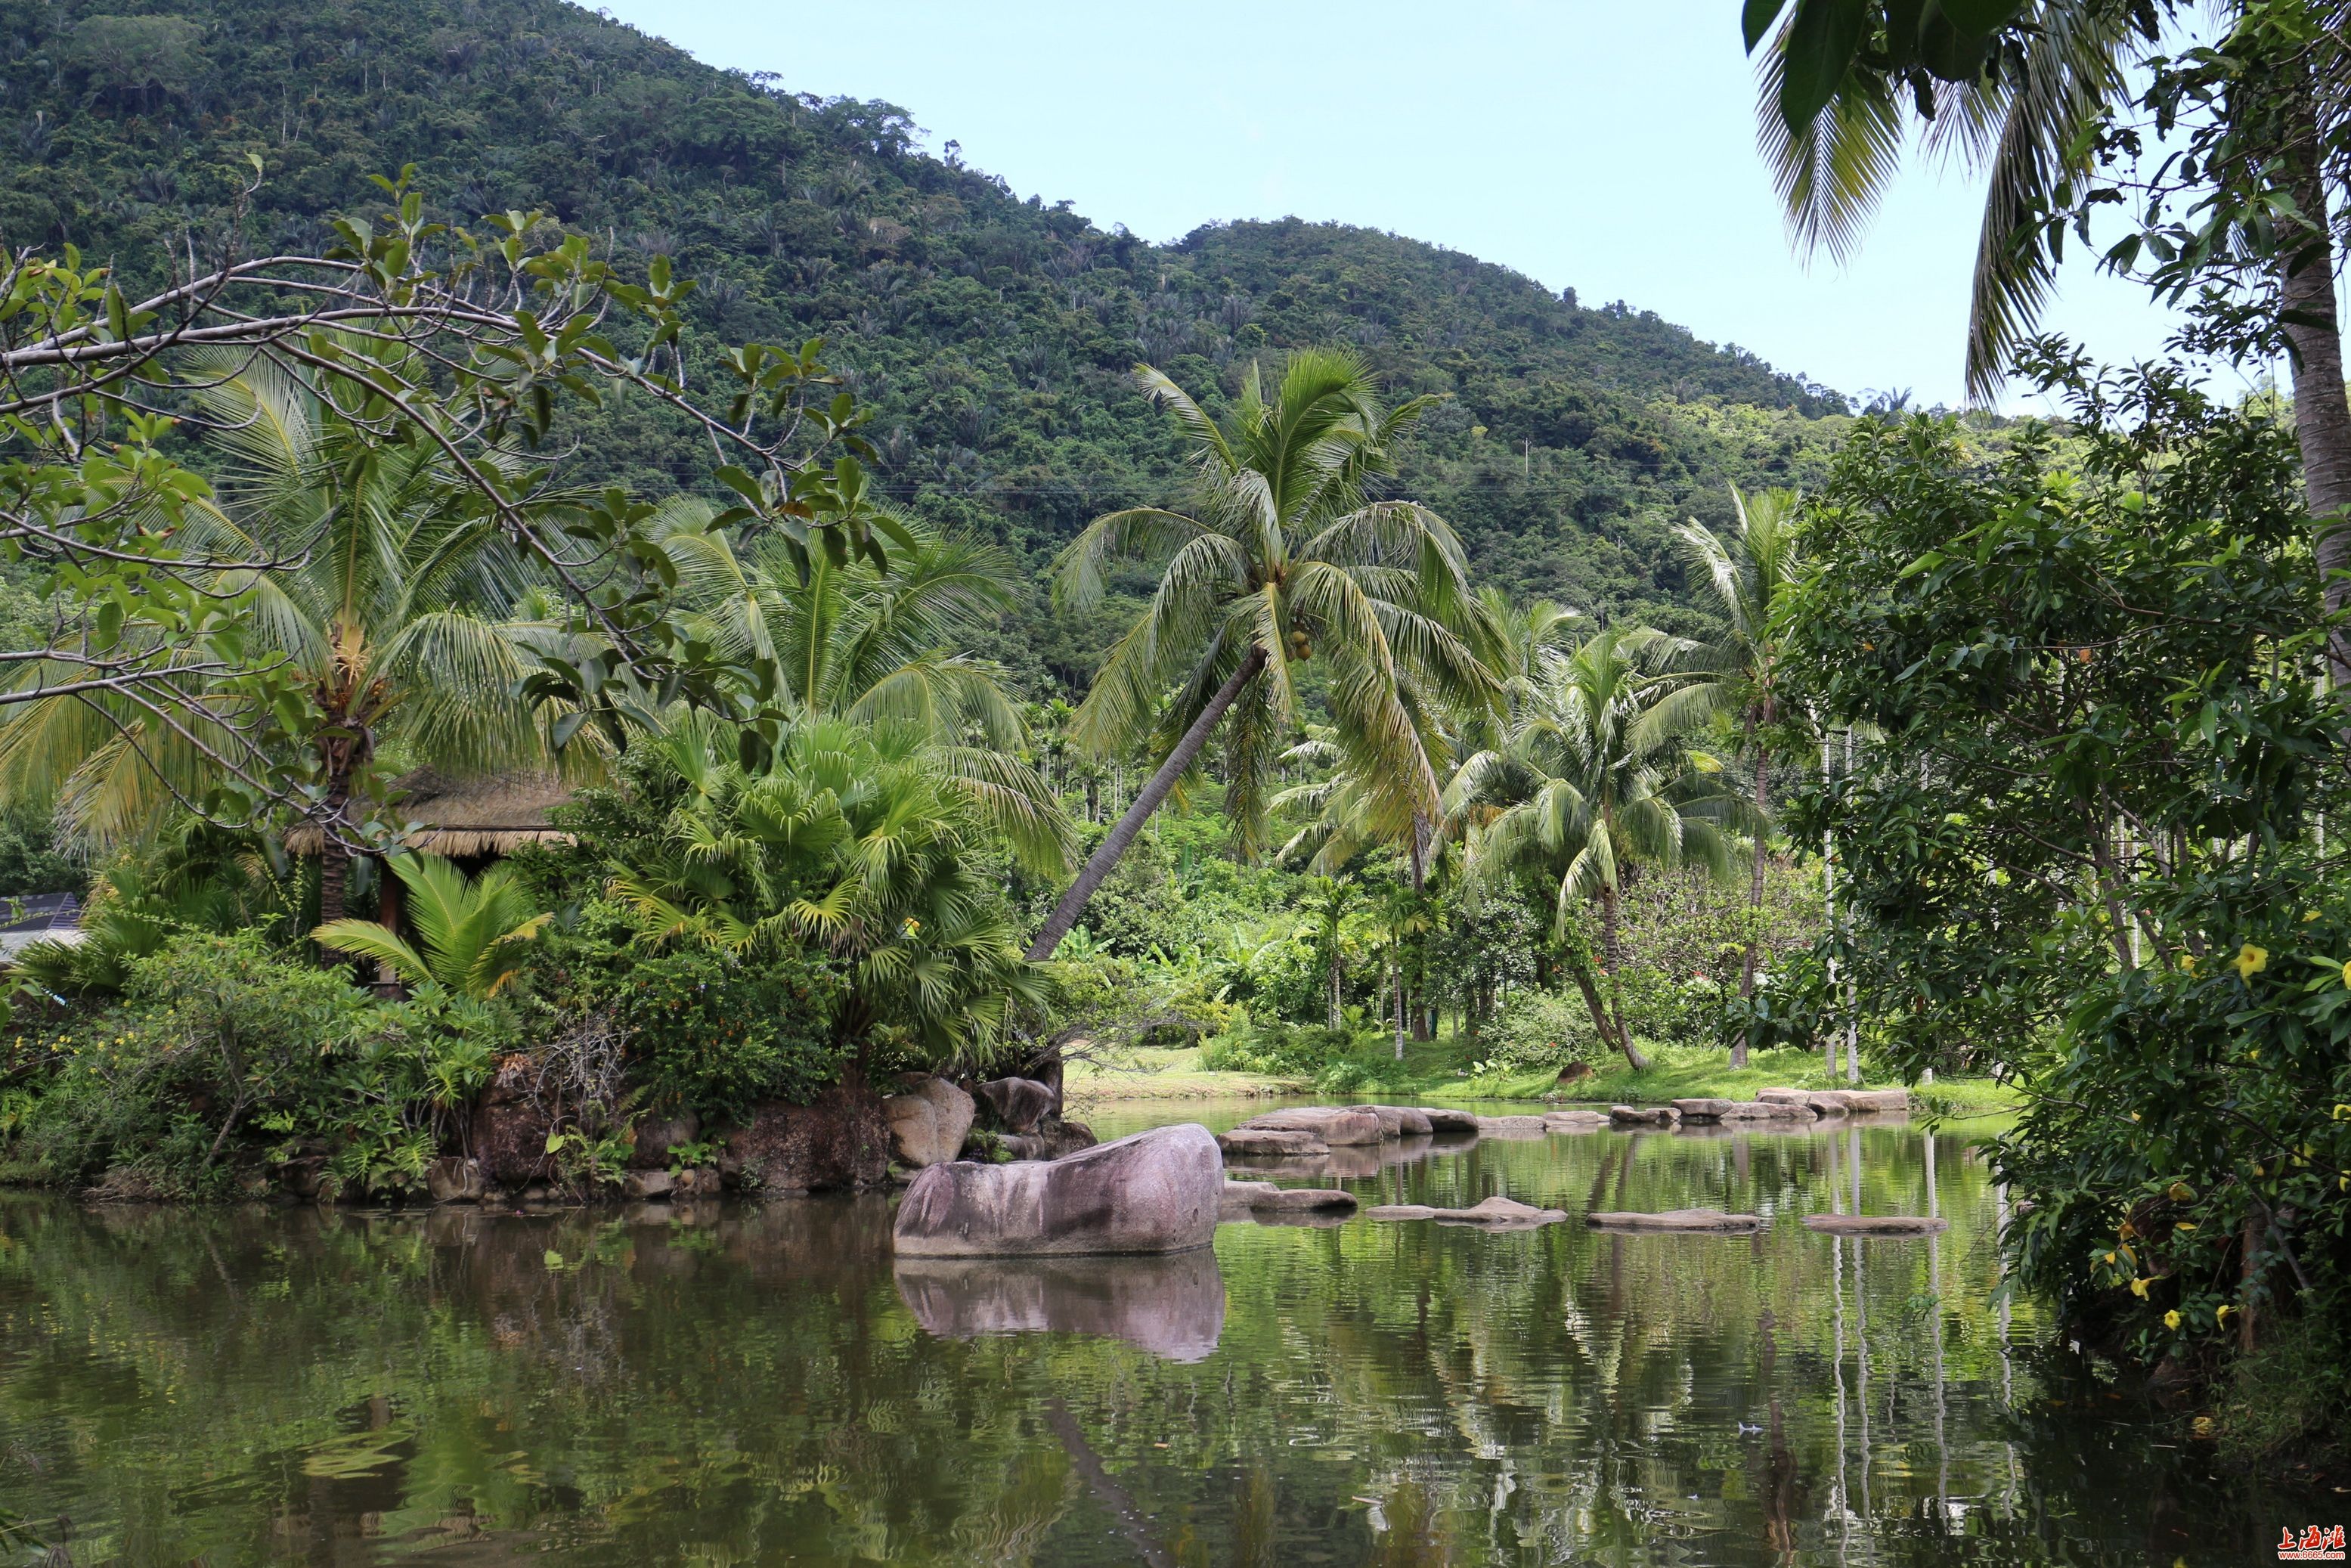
(992, 335)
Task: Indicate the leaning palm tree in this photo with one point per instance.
(412, 625)
(474, 932)
(1283, 557)
(1749, 574)
(1598, 776)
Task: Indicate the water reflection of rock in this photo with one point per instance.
(1172, 1306)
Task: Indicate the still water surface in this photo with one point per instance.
(756, 1384)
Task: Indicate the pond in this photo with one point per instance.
(755, 1384)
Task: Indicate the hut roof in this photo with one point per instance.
(491, 815)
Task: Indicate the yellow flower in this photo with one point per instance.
(2187, 967)
(2171, 1319)
(2347, 973)
(2250, 961)
(2138, 1288)
(2308, 915)
(2110, 1257)
(2220, 1313)
(2185, 1224)
(2258, 1171)
(2179, 1192)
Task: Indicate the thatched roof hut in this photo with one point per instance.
(492, 815)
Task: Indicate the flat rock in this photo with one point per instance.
(642, 1184)
(1247, 1190)
(1335, 1124)
(1574, 1120)
(1879, 1101)
(1155, 1192)
(1266, 1141)
(1402, 1121)
(1019, 1104)
(1492, 1214)
(1713, 1220)
(1702, 1110)
(928, 1121)
(1874, 1224)
(1400, 1211)
(1511, 1126)
(1294, 1199)
(1643, 1115)
(1444, 1119)
(1766, 1111)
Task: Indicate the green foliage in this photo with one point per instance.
(474, 931)
(31, 860)
(1539, 1029)
(709, 1031)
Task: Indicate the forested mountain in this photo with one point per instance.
(992, 335)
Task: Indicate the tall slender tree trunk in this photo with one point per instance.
(334, 857)
(1612, 948)
(1105, 857)
(2322, 417)
(1750, 961)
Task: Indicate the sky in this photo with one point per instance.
(1587, 143)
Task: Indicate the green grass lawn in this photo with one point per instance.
(1437, 1070)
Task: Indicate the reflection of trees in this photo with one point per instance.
(226, 1386)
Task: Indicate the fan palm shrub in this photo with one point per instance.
(474, 931)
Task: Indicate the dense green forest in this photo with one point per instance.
(991, 336)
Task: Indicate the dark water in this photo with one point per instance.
(757, 1385)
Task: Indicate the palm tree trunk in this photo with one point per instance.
(334, 857)
(1749, 960)
(1612, 948)
(2322, 417)
(1105, 857)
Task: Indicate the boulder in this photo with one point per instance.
(1017, 1104)
(643, 1186)
(1023, 1145)
(1643, 1115)
(1511, 1126)
(1173, 1307)
(454, 1179)
(1262, 1143)
(1705, 1110)
(655, 1136)
(1826, 1103)
(928, 1121)
(1335, 1124)
(1874, 1224)
(840, 1139)
(1677, 1219)
(1783, 1097)
(509, 1130)
(1402, 1121)
(1061, 1136)
(1281, 1199)
(1492, 1213)
(1574, 1121)
(1879, 1101)
(1154, 1192)
(1444, 1119)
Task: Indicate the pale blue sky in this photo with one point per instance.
(1584, 143)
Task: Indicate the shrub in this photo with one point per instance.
(708, 1031)
(1540, 1028)
(1288, 1050)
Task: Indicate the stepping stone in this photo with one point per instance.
(1402, 1121)
(1511, 1126)
(1766, 1111)
(1879, 1100)
(1493, 1214)
(1259, 1143)
(1297, 1199)
(1712, 1220)
(1707, 1110)
(1574, 1121)
(1443, 1120)
(1335, 1124)
(1643, 1115)
(1874, 1224)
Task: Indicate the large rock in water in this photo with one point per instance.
(1155, 1192)
(1402, 1121)
(1270, 1143)
(928, 1121)
(1335, 1124)
(1019, 1104)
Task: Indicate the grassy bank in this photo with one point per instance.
(1438, 1069)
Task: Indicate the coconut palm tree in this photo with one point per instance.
(1597, 776)
(1284, 557)
(474, 931)
(1749, 574)
(412, 622)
